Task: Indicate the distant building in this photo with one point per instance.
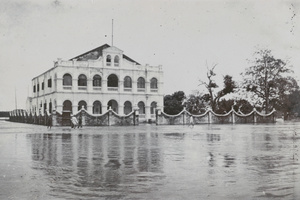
(96, 80)
(4, 115)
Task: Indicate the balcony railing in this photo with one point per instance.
(67, 87)
(153, 90)
(82, 87)
(98, 88)
(142, 116)
(127, 89)
(112, 88)
(141, 90)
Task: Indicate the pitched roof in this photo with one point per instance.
(96, 53)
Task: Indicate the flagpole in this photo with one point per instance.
(112, 32)
(16, 104)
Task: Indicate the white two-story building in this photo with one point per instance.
(96, 80)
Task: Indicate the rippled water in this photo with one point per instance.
(150, 162)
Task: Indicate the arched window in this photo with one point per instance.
(67, 79)
(127, 82)
(116, 61)
(108, 60)
(153, 107)
(127, 107)
(97, 80)
(82, 103)
(141, 106)
(113, 105)
(67, 106)
(82, 81)
(97, 109)
(153, 83)
(112, 81)
(141, 82)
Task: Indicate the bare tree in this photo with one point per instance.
(211, 85)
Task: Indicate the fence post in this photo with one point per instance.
(184, 116)
(54, 118)
(209, 116)
(109, 117)
(158, 113)
(233, 116)
(254, 115)
(136, 117)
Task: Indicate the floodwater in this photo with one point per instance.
(150, 162)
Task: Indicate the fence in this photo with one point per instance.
(110, 118)
(209, 117)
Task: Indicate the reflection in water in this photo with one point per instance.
(96, 162)
(213, 137)
(229, 160)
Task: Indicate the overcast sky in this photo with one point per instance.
(182, 36)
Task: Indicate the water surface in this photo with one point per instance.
(150, 162)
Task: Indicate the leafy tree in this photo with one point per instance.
(243, 106)
(229, 86)
(266, 77)
(197, 104)
(173, 104)
(294, 103)
(284, 102)
(224, 106)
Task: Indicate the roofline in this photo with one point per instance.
(103, 47)
(43, 73)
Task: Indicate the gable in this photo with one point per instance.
(113, 49)
(94, 54)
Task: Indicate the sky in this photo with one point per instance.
(184, 36)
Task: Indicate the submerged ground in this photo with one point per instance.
(150, 162)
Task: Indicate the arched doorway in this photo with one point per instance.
(66, 114)
(153, 108)
(82, 103)
(97, 107)
(67, 106)
(113, 105)
(127, 107)
(141, 106)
